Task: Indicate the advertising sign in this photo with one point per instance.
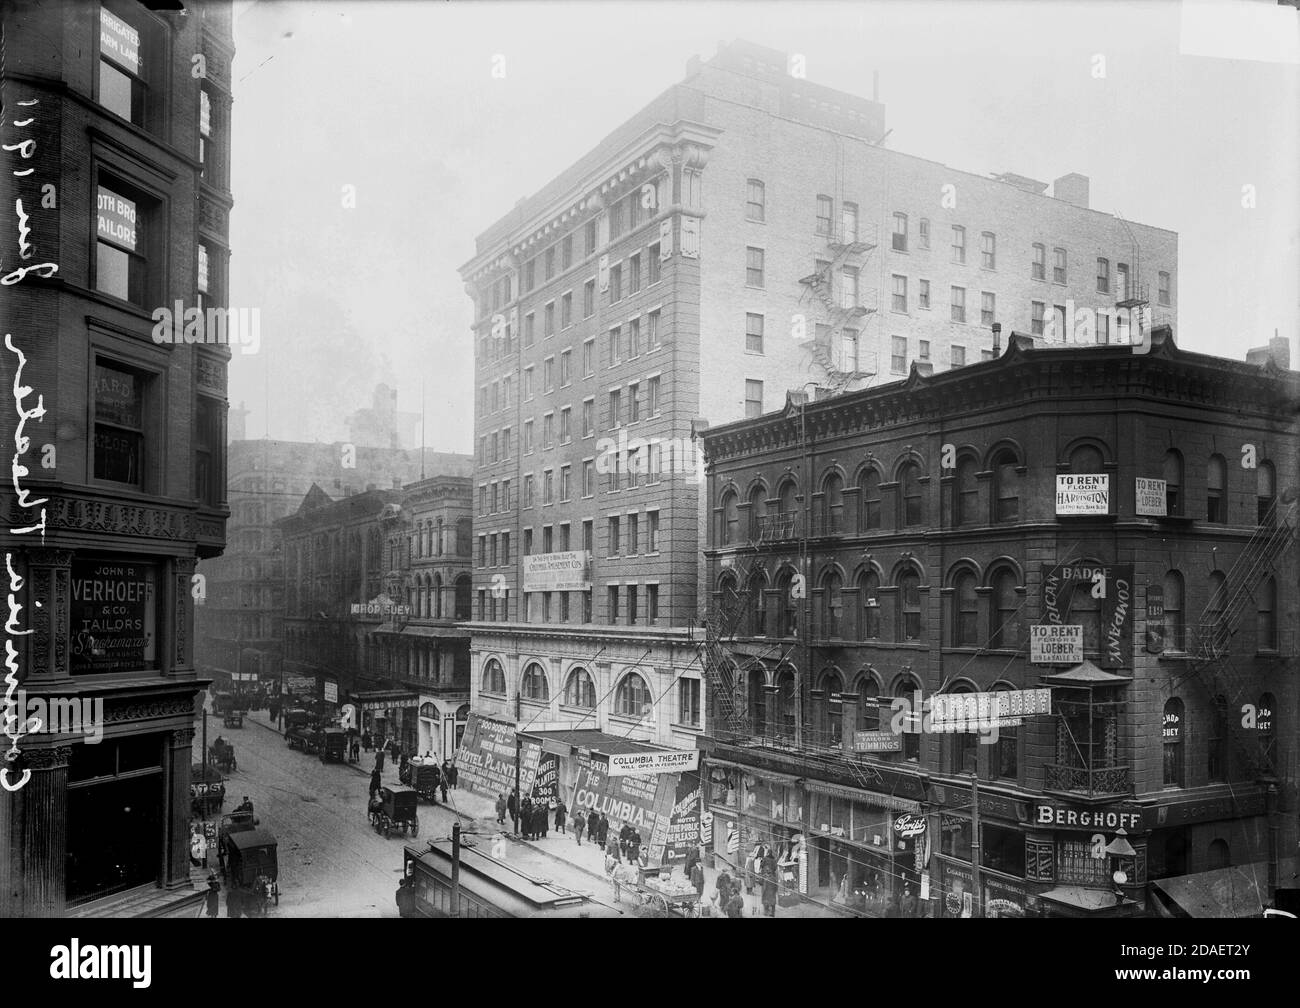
(1109, 818)
(1109, 601)
(114, 614)
(1150, 497)
(486, 758)
(1082, 493)
(684, 825)
(299, 685)
(119, 41)
(546, 785)
(1155, 619)
(877, 741)
(568, 571)
(909, 824)
(115, 220)
(379, 609)
(663, 761)
(331, 691)
(645, 801)
(959, 712)
(1052, 644)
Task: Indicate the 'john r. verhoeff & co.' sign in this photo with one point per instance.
(114, 613)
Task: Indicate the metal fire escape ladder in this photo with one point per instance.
(820, 284)
(720, 625)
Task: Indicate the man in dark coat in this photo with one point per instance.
(453, 775)
(561, 812)
(376, 781)
(604, 828)
(406, 899)
(593, 828)
(512, 806)
(379, 760)
(767, 878)
(625, 841)
(696, 875)
(214, 895)
(526, 817)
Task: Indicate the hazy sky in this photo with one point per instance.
(398, 100)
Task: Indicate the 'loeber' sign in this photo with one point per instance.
(1067, 817)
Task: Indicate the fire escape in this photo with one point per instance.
(847, 250)
(1219, 671)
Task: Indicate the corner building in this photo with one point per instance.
(128, 462)
(743, 234)
(938, 530)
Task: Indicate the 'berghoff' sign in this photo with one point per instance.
(1067, 817)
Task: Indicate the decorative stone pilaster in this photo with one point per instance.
(47, 611)
(38, 838)
(180, 755)
(183, 617)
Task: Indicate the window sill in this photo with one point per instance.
(685, 727)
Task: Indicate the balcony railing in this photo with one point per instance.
(1113, 780)
(777, 527)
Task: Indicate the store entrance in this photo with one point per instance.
(114, 837)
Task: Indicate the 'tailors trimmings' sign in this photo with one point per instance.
(1083, 494)
(1098, 597)
(661, 761)
(568, 571)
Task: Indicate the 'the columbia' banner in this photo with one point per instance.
(645, 802)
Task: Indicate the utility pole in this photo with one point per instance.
(519, 755)
(203, 806)
(455, 868)
(976, 901)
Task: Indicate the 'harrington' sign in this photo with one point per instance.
(1083, 494)
(661, 761)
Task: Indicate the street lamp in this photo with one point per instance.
(1120, 851)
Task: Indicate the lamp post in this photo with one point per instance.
(1120, 852)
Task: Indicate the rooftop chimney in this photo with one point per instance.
(1072, 188)
(997, 338)
(1278, 351)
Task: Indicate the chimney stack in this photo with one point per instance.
(997, 338)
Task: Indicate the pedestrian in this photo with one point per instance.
(376, 782)
(633, 845)
(907, 908)
(611, 847)
(593, 829)
(366, 741)
(767, 878)
(611, 873)
(722, 890)
(446, 773)
(406, 899)
(379, 761)
(736, 905)
(696, 876)
(501, 808)
(442, 781)
(453, 775)
(624, 840)
(526, 816)
(579, 825)
(561, 816)
(198, 847)
(604, 827)
(543, 817)
(512, 806)
(214, 896)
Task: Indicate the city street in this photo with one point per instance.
(332, 864)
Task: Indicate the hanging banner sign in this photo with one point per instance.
(643, 801)
(115, 220)
(1149, 497)
(1109, 596)
(684, 824)
(1083, 494)
(1050, 644)
(665, 761)
(877, 741)
(568, 571)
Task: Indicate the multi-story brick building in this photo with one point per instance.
(724, 245)
(910, 540)
(377, 591)
(116, 159)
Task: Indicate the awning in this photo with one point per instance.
(1082, 898)
(884, 801)
(771, 775)
(435, 632)
(1234, 892)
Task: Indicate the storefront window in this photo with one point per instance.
(1003, 850)
(956, 837)
(114, 616)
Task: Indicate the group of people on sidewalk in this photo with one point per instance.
(760, 869)
(532, 819)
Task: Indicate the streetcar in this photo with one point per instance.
(487, 887)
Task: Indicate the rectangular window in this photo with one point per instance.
(959, 304)
(1103, 327)
(1103, 276)
(1058, 265)
(588, 536)
(209, 486)
(548, 374)
(688, 702)
(753, 398)
(119, 424)
(566, 473)
(566, 252)
(550, 263)
(548, 488)
(923, 294)
(548, 431)
(652, 330)
(825, 214)
(988, 250)
(566, 310)
(121, 87)
(988, 308)
(753, 332)
(616, 220)
(615, 349)
(1162, 288)
(566, 428)
(958, 243)
(121, 232)
(615, 408)
(1038, 312)
(849, 351)
(899, 239)
(528, 384)
(616, 283)
(923, 349)
(849, 287)
(848, 223)
(634, 338)
(589, 299)
(755, 201)
(588, 358)
(528, 437)
(631, 605)
(958, 356)
(615, 546)
(530, 324)
(652, 606)
(1059, 331)
(652, 396)
(588, 417)
(899, 303)
(590, 235)
(565, 369)
(898, 355)
(654, 268)
(754, 267)
(633, 534)
(588, 478)
(548, 326)
(633, 402)
(612, 603)
(1121, 281)
(634, 273)
(652, 532)
(529, 280)
(1038, 266)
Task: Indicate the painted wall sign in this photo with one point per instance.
(1109, 602)
(1155, 635)
(568, 571)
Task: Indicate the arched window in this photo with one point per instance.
(1265, 493)
(833, 505)
(1004, 760)
(786, 607)
(757, 512)
(1086, 458)
(730, 519)
(1212, 635)
(832, 605)
(632, 698)
(910, 690)
(911, 502)
(909, 606)
(965, 493)
(1175, 630)
(579, 690)
(870, 485)
(1173, 477)
(1004, 628)
(757, 701)
(1216, 482)
(1219, 854)
(437, 596)
(869, 603)
(785, 703)
(965, 615)
(1266, 725)
(494, 678)
(868, 704)
(533, 686)
(758, 604)
(831, 721)
(963, 747)
(1266, 626)
(463, 593)
(1006, 486)
(1085, 611)
(1217, 752)
(439, 546)
(1172, 737)
(789, 513)
(728, 599)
